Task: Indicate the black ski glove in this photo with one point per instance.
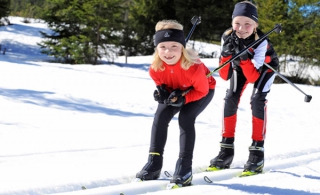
(180, 99)
(228, 47)
(161, 94)
(178, 103)
(244, 55)
(239, 46)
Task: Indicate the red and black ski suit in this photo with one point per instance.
(240, 73)
(174, 77)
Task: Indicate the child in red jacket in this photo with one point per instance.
(248, 68)
(182, 86)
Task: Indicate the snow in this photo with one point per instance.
(67, 126)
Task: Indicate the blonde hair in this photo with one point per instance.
(256, 36)
(189, 57)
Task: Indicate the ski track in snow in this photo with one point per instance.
(147, 187)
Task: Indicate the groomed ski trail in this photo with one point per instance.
(198, 178)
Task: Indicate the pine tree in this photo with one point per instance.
(4, 8)
(144, 14)
(27, 8)
(215, 18)
(84, 30)
(300, 37)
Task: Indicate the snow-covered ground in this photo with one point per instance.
(67, 126)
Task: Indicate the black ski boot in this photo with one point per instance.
(255, 162)
(182, 175)
(152, 169)
(225, 156)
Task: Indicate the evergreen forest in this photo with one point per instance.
(87, 30)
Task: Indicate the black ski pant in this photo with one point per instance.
(187, 117)
(258, 104)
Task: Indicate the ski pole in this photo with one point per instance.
(277, 29)
(195, 20)
(307, 97)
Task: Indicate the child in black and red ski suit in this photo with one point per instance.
(248, 68)
(175, 70)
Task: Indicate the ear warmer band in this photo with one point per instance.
(245, 9)
(169, 35)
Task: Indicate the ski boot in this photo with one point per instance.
(152, 169)
(255, 162)
(182, 175)
(225, 156)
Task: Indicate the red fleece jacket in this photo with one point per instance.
(248, 69)
(174, 77)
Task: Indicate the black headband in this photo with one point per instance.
(169, 35)
(245, 9)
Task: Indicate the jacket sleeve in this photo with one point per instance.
(154, 76)
(225, 72)
(250, 67)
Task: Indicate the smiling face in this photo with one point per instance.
(170, 52)
(243, 26)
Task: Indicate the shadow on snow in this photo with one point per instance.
(38, 98)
